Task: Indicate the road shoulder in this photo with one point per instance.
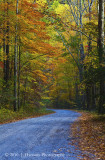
(89, 133)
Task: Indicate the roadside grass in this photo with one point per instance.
(89, 133)
(7, 116)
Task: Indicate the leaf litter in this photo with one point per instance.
(88, 134)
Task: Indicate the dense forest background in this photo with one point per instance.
(52, 54)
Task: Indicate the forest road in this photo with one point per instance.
(42, 138)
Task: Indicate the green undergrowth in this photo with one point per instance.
(7, 115)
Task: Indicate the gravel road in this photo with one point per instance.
(42, 138)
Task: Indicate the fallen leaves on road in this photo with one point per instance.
(89, 134)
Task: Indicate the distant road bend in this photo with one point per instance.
(42, 138)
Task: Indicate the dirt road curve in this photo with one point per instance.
(42, 138)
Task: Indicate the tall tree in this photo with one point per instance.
(6, 43)
(101, 52)
(15, 60)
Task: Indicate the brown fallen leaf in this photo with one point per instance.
(89, 133)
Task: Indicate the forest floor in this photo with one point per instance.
(89, 133)
(7, 116)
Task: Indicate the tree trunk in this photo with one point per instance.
(19, 81)
(81, 57)
(15, 63)
(101, 53)
(93, 98)
(88, 88)
(6, 48)
(88, 97)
